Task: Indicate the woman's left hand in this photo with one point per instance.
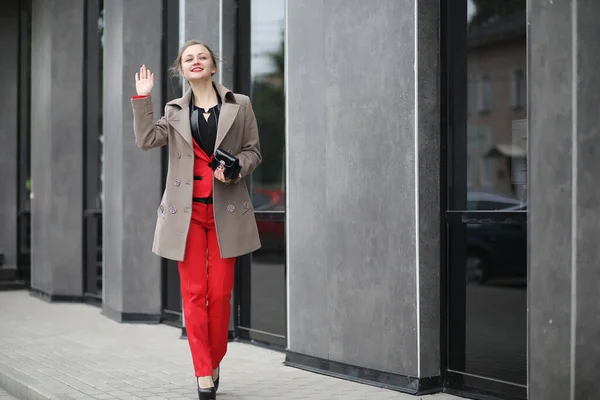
(221, 177)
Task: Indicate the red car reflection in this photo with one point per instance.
(269, 205)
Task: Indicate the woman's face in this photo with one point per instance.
(196, 63)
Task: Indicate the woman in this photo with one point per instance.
(204, 220)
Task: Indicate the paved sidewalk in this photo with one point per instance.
(5, 396)
(71, 351)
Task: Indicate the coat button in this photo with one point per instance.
(161, 208)
(177, 182)
(230, 208)
(246, 205)
(172, 209)
(178, 154)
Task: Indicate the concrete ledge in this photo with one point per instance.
(132, 318)
(401, 383)
(13, 285)
(25, 387)
(54, 298)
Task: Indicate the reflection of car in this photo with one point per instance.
(482, 201)
(270, 205)
(493, 249)
(268, 199)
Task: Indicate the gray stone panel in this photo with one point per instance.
(370, 207)
(202, 23)
(587, 143)
(564, 327)
(352, 184)
(308, 265)
(550, 119)
(9, 65)
(132, 177)
(56, 147)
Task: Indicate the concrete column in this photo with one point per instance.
(132, 177)
(9, 81)
(363, 190)
(56, 148)
(564, 217)
(214, 22)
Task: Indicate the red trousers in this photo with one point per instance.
(206, 284)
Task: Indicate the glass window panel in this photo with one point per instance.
(495, 299)
(262, 283)
(268, 100)
(497, 132)
(487, 264)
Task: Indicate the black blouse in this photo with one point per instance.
(204, 131)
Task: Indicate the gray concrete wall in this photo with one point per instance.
(9, 65)
(564, 222)
(363, 167)
(56, 147)
(201, 22)
(132, 177)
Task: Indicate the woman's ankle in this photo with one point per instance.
(215, 373)
(205, 382)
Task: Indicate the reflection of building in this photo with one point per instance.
(497, 97)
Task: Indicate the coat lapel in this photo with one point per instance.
(229, 110)
(180, 118)
(226, 117)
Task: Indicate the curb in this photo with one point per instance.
(25, 387)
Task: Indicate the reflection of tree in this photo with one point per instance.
(268, 99)
(488, 11)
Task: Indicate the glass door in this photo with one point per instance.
(24, 146)
(92, 160)
(261, 276)
(486, 214)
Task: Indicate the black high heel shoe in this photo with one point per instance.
(207, 393)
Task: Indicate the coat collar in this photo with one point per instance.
(180, 119)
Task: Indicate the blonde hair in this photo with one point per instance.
(175, 69)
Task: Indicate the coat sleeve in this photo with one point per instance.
(250, 156)
(148, 134)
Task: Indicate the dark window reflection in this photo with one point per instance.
(24, 145)
(268, 99)
(488, 247)
(93, 156)
(263, 312)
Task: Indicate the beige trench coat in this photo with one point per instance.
(237, 132)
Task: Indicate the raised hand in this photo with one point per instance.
(144, 81)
